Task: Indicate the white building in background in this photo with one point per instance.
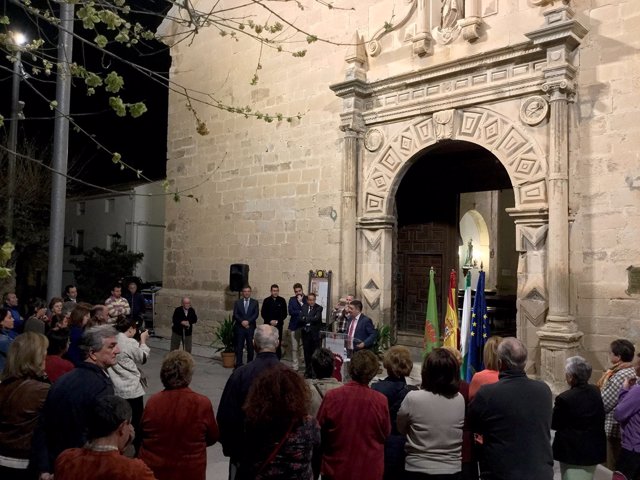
(137, 216)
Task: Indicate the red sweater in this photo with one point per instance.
(56, 366)
(355, 424)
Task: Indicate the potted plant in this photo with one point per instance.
(223, 333)
(383, 341)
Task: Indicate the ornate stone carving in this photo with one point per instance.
(522, 157)
(443, 123)
(470, 28)
(533, 110)
(356, 59)
(532, 290)
(373, 139)
(371, 293)
(374, 47)
(451, 13)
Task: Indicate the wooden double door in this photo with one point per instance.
(420, 247)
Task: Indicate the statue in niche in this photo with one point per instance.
(450, 12)
(468, 261)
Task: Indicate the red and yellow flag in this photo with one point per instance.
(451, 328)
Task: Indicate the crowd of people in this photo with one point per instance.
(76, 413)
(72, 395)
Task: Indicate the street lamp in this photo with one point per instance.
(19, 40)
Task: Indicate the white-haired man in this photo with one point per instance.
(230, 415)
(514, 418)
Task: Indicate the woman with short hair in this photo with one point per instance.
(398, 363)
(281, 435)
(355, 423)
(178, 424)
(490, 373)
(578, 419)
(23, 391)
(38, 322)
(432, 418)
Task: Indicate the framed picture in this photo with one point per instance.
(320, 284)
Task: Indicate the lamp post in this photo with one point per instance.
(60, 150)
(16, 112)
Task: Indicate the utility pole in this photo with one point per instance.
(60, 151)
(16, 113)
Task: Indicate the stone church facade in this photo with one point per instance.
(426, 95)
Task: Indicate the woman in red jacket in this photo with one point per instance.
(355, 423)
(178, 424)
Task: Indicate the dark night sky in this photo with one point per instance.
(140, 141)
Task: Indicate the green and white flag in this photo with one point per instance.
(465, 325)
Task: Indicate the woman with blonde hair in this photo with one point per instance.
(23, 391)
(491, 370)
(398, 363)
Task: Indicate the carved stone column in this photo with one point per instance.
(352, 93)
(349, 212)
(559, 337)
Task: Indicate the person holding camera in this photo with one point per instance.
(128, 381)
(310, 323)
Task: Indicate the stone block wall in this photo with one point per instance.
(604, 161)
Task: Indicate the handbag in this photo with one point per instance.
(275, 451)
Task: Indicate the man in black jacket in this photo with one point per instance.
(182, 325)
(273, 312)
(310, 323)
(230, 416)
(65, 415)
(136, 302)
(514, 418)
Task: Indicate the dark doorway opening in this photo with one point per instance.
(428, 216)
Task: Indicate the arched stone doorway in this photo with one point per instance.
(453, 193)
(525, 165)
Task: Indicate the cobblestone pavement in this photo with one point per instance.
(209, 379)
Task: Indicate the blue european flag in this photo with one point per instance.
(479, 333)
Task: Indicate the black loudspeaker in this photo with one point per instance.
(238, 276)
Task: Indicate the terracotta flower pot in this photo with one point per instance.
(228, 359)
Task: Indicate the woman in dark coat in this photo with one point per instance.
(281, 436)
(398, 363)
(578, 419)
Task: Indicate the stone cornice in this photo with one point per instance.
(454, 99)
(514, 53)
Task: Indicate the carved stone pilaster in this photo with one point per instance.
(560, 36)
(375, 247)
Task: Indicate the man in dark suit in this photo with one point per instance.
(311, 323)
(245, 314)
(183, 319)
(514, 418)
(273, 312)
(360, 328)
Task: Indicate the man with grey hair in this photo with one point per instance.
(514, 418)
(230, 415)
(64, 418)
